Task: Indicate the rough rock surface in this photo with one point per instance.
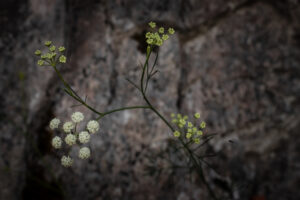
(235, 61)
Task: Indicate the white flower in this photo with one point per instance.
(77, 117)
(84, 137)
(84, 153)
(70, 139)
(56, 142)
(93, 126)
(68, 126)
(54, 123)
(66, 161)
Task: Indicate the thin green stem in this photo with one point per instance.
(122, 109)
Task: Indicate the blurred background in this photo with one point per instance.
(234, 61)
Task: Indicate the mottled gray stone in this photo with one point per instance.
(236, 62)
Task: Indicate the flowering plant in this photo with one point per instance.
(187, 133)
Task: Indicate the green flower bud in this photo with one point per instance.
(161, 30)
(40, 62)
(196, 140)
(48, 43)
(171, 31)
(38, 52)
(52, 48)
(61, 49)
(197, 115)
(62, 59)
(165, 37)
(188, 135)
(202, 125)
(150, 41)
(148, 35)
(199, 133)
(176, 134)
(152, 24)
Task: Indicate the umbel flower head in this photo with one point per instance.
(84, 153)
(66, 161)
(77, 117)
(68, 127)
(56, 142)
(73, 135)
(84, 137)
(93, 126)
(158, 37)
(54, 123)
(70, 139)
(52, 57)
(187, 129)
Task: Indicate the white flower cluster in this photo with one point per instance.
(77, 117)
(56, 142)
(84, 153)
(93, 126)
(72, 136)
(54, 123)
(68, 127)
(66, 161)
(84, 137)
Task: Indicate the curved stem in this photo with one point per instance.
(122, 109)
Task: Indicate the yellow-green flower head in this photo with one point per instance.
(54, 123)
(84, 137)
(148, 35)
(43, 56)
(202, 125)
(196, 140)
(52, 54)
(48, 55)
(185, 117)
(176, 134)
(188, 135)
(38, 52)
(66, 161)
(199, 133)
(171, 31)
(61, 49)
(70, 139)
(62, 59)
(56, 142)
(174, 121)
(48, 43)
(152, 24)
(77, 117)
(189, 130)
(149, 41)
(197, 115)
(84, 153)
(190, 125)
(52, 48)
(93, 126)
(182, 121)
(68, 127)
(40, 62)
(161, 30)
(159, 42)
(195, 130)
(180, 125)
(172, 115)
(179, 116)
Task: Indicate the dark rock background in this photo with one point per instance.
(236, 61)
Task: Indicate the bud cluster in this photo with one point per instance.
(186, 128)
(52, 57)
(157, 38)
